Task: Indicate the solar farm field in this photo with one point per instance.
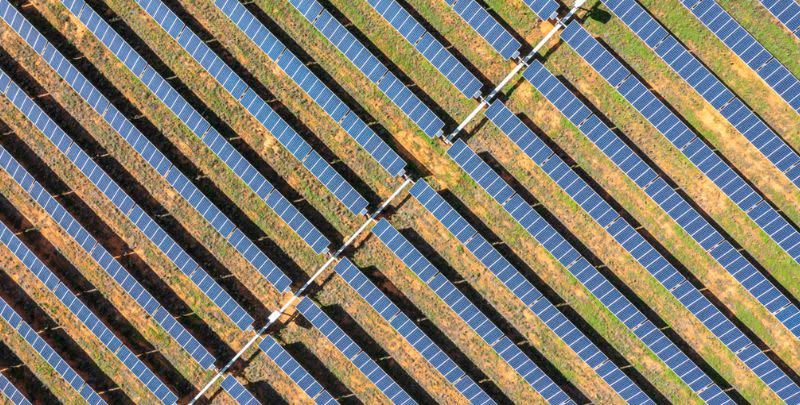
(400, 201)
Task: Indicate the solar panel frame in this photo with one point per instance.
(787, 12)
(367, 63)
(238, 392)
(678, 209)
(723, 176)
(621, 231)
(86, 316)
(237, 88)
(11, 392)
(110, 188)
(487, 27)
(295, 371)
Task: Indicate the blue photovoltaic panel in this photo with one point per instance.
(295, 371)
(545, 9)
(368, 64)
(688, 218)
(470, 314)
(255, 105)
(738, 40)
(49, 355)
(688, 67)
(104, 259)
(125, 203)
(411, 332)
(353, 352)
(787, 12)
(239, 393)
(11, 392)
(428, 46)
(313, 86)
(565, 253)
(85, 315)
(158, 161)
(707, 161)
(641, 250)
(484, 24)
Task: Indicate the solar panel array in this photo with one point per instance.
(787, 12)
(490, 29)
(737, 39)
(239, 393)
(295, 371)
(353, 352)
(626, 235)
(545, 9)
(428, 46)
(681, 211)
(473, 316)
(367, 63)
(697, 152)
(105, 260)
(255, 105)
(11, 392)
(85, 315)
(411, 332)
(156, 159)
(124, 203)
(48, 354)
(620, 306)
(688, 67)
(313, 86)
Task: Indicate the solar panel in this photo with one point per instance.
(240, 394)
(98, 328)
(427, 45)
(490, 29)
(48, 354)
(11, 392)
(420, 341)
(103, 258)
(125, 204)
(221, 223)
(715, 168)
(545, 9)
(353, 352)
(256, 106)
(688, 67)
(787, 12)
(622, 232)
(738, 40)
(676, 207)
(469, 313)
(367, 63)
(295, 371)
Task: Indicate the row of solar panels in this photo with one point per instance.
(787, 12)
(239, 393)
(255, 105)
(105, 260)
(490, 29)
(85, 315)
(411, 332)
(427, 45)
(594, 281)
(528, 294)
(156, 159)
(368, 64)
(11, 392)
(469, 313)
(125, 203)
(688, 67)
(49, 355)
(737, 39)
(591, 126)
(313, 86)
(707, 161)
(295, 371)
(355, 354)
